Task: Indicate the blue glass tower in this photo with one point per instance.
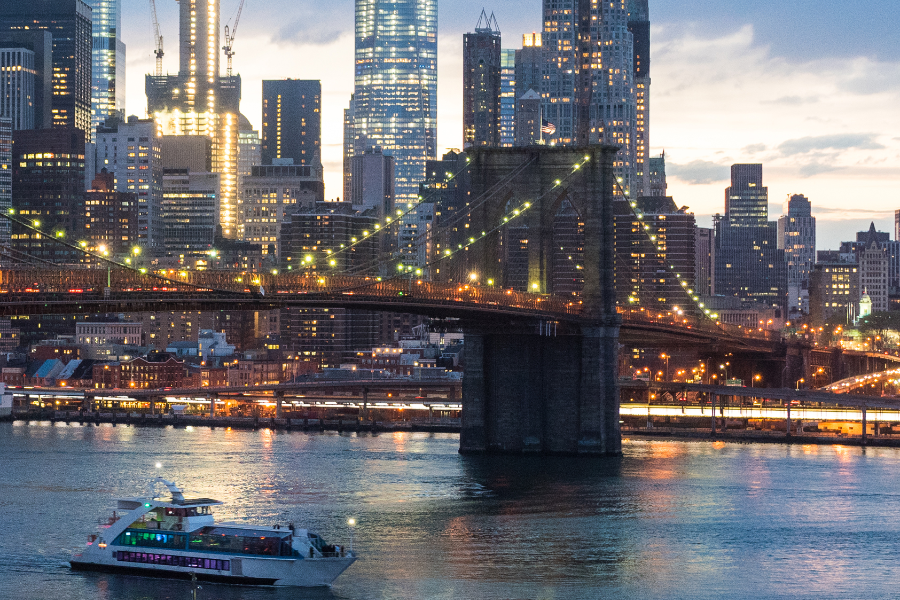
(107, 62)
(396, 86)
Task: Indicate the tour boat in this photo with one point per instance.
(179, 538)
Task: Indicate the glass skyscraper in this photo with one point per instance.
(396, 86)
(107, 62)
(507, 98)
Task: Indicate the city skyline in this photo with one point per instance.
(729, 86)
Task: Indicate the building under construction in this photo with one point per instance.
(198, 101)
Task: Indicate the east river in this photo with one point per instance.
(671, 519)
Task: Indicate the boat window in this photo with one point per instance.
(151, 539)
(191, 562)
(238, 544)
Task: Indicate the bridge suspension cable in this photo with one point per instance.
(508, 217)
(412, 207)
(660, 248)
(683, 282)
(60, 239)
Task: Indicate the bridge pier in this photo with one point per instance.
(527, 393)
(528, 388)
(212, 406)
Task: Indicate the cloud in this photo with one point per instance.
(754, 148)
(307, 31)
(859, 213)
(793, 100)
(699, 172)
(813, 168)
(846, 141)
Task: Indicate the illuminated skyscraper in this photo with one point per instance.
(588, 89)
(198, 101)
(639, 26)
(507, 98)
(28, 95)
(292, 120)
(749, 263)
(6, 131)
(481, 84)
(747, 200)
(107, 62)
(17, 75)
(396, 85)
(349, 147)
(69, 23)
(797, 237)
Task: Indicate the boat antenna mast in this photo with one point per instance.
(177, 495)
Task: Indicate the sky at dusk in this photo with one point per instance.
(809, 88)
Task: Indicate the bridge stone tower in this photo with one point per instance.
(543, 387)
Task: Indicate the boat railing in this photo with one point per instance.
(109, 521)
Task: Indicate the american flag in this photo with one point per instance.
(547, 127)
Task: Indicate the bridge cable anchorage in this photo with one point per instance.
(691, 295)
(59, 239)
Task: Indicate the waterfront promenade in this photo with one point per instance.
(764, 431)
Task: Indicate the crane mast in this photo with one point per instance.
(229, 37)
(157, 39)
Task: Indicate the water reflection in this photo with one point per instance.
(670, 519)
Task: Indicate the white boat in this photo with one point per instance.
(179, 538)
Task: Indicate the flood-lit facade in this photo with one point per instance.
(395, 97)
(198, 101)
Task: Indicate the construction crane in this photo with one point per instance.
(157, 39)
(229, 37)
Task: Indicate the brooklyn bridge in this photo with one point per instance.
(542, 363)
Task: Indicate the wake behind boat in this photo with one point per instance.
(179, 538)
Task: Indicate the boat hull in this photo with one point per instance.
(148, 572)
(241, 570)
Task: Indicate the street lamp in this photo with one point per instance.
(799, 381)
(666, 357)
(756, 378)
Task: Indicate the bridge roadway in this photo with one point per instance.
(786, 395)
(91, 291)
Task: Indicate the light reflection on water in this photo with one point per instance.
(671, 519)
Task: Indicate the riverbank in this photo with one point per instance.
(760, 437)
(287, 424)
